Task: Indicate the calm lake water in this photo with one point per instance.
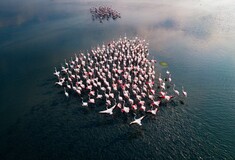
(196, 38)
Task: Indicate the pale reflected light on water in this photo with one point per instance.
(196, 39)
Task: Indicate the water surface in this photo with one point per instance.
(196, 39)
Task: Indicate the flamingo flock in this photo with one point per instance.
(121, 76)
(103, 12)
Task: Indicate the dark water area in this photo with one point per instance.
(196, 39)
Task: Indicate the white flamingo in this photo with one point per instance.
(167, 72)
(184, 92)
(66, 93)
(57, 73)
(153, 111)
(68, 86)
(160, 79)
(99, 96)
(84, 104)
(60, 83)
(109, 110)
(137, 121)
(176, 91)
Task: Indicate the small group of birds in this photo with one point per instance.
(120, 75)
(103, 12)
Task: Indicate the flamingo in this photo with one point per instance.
(168, 97)
(141, 102)
(169, 78)
(167, 72)
(66, 63)
(153, 111)
(131, 101)
(78, 91)
(151, 97)
(134, 107)
(65, 70)
(155, 103)
(143, 108)
(91, 93)
(57, 73)
(68, 86)
(125, 109)
(91, 100)
(111, 95)
(108, 102)
(119, 97)
(60, 83)
(109, 110)
(160, 79)
(176, 91)
(162, 93)
(84, 104)
(66, 93)
(184, 92)
(99, 96)
(152, 91)
(106, 95)
(137, 121)
(119, 105)
(73, 87)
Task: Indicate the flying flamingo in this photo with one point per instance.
(137, 121)
(109, 110)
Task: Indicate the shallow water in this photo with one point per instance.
(194, 37)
